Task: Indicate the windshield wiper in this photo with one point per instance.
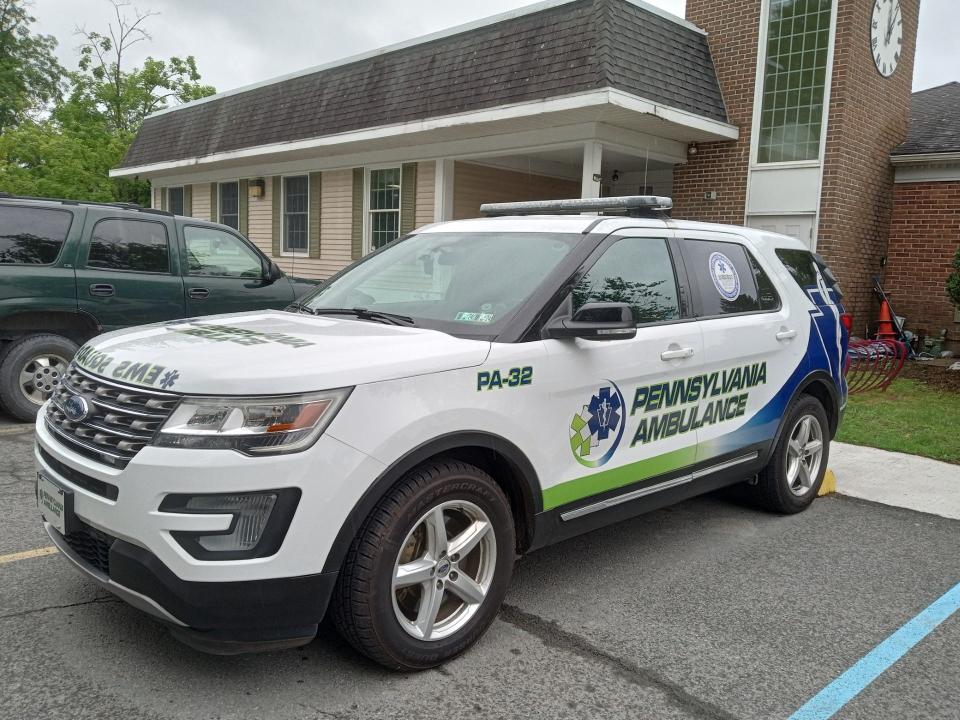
(365, 314)
(300, 308)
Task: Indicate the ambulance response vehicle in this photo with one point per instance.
(386, 447)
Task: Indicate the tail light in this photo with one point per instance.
(846, 319)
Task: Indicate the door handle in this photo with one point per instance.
(677, 354)
(102, 290)
(198, 293)
(785, 334)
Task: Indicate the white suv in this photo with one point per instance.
(466, 394)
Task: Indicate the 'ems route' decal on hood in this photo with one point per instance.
(240, 336)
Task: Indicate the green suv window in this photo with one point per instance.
(32, 236)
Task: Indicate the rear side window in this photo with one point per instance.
(136, 245)
(32, 236)
(637, 271)
(726, 278)
(800, 265)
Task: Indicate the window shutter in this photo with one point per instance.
(215, 202)
(356, 235)
(316, 193)
(408, 197)
(277, 218)
(188, 200)
(163, 198)
(243, 208)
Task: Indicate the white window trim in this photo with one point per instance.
(758, 92)
(167, 190)
(220, 184)
(283, 217)
(367, 225)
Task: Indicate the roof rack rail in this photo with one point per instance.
(64, 201)
(630, 205)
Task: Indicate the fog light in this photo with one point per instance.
(250, 515)
(260, 522)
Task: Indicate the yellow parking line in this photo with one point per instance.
(27, 554)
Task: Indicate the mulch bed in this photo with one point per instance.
(934, 374)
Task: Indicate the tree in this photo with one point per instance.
(953, 280)
(126, 96)
(30, 76)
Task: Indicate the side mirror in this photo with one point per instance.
(596, 321)
(271, 272)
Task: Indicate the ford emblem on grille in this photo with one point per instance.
(77, 408)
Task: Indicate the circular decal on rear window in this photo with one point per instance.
(724, 275)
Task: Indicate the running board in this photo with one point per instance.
(651, 489)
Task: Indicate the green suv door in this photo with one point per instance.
(130, 275)
(223, 274)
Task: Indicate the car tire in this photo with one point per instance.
(792, 478)
(391, 623)
(46, 358)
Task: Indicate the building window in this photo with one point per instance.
(230, 204)
(384, 206)
(295, 213)
(795, 74)
(175, 200)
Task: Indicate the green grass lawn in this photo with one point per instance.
(910, 417)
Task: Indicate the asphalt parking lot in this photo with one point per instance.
(704, 610)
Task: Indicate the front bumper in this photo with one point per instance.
(129, 546)
(218, 617)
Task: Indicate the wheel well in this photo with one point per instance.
(821, 391)
(77, 326)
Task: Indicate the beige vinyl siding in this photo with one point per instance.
(201, 201)
(474, 185)
(426, 172)
(260, 218)
(155, 197)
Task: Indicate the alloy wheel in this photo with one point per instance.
(40, 376)
(444, 570)
(804, 454)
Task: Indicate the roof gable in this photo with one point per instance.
(573, 47)
(934, 122)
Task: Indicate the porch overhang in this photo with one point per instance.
(607, 114)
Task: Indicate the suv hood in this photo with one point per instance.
(272, 352)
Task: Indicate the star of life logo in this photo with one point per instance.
(596, 431)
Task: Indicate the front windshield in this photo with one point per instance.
(462, 283)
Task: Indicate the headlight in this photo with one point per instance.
(254, 425)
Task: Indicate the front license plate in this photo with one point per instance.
(54, 503)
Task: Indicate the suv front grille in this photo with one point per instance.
(122, 420)
(92, 545)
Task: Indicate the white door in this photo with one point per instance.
(795, 226)
(608, 399)
(754, 342)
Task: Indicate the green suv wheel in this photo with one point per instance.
(31, 371)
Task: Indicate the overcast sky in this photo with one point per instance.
(238, 42)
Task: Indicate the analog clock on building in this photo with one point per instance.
(886, 35)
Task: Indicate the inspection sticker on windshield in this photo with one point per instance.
(485, 318)
(725, 277)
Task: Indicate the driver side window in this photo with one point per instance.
(636, 271)
(215, 253)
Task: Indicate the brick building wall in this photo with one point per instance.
(924, 236)
(734, 28)
(868, 117)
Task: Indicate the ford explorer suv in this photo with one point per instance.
(390, 444)
(72, 270)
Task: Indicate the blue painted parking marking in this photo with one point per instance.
(834, 696)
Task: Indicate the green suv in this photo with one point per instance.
(71, 270)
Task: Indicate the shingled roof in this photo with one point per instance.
(934, 122)
(569, 48)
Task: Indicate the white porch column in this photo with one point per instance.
(592, 160)
(443, 191)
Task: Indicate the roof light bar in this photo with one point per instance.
(628, 205)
